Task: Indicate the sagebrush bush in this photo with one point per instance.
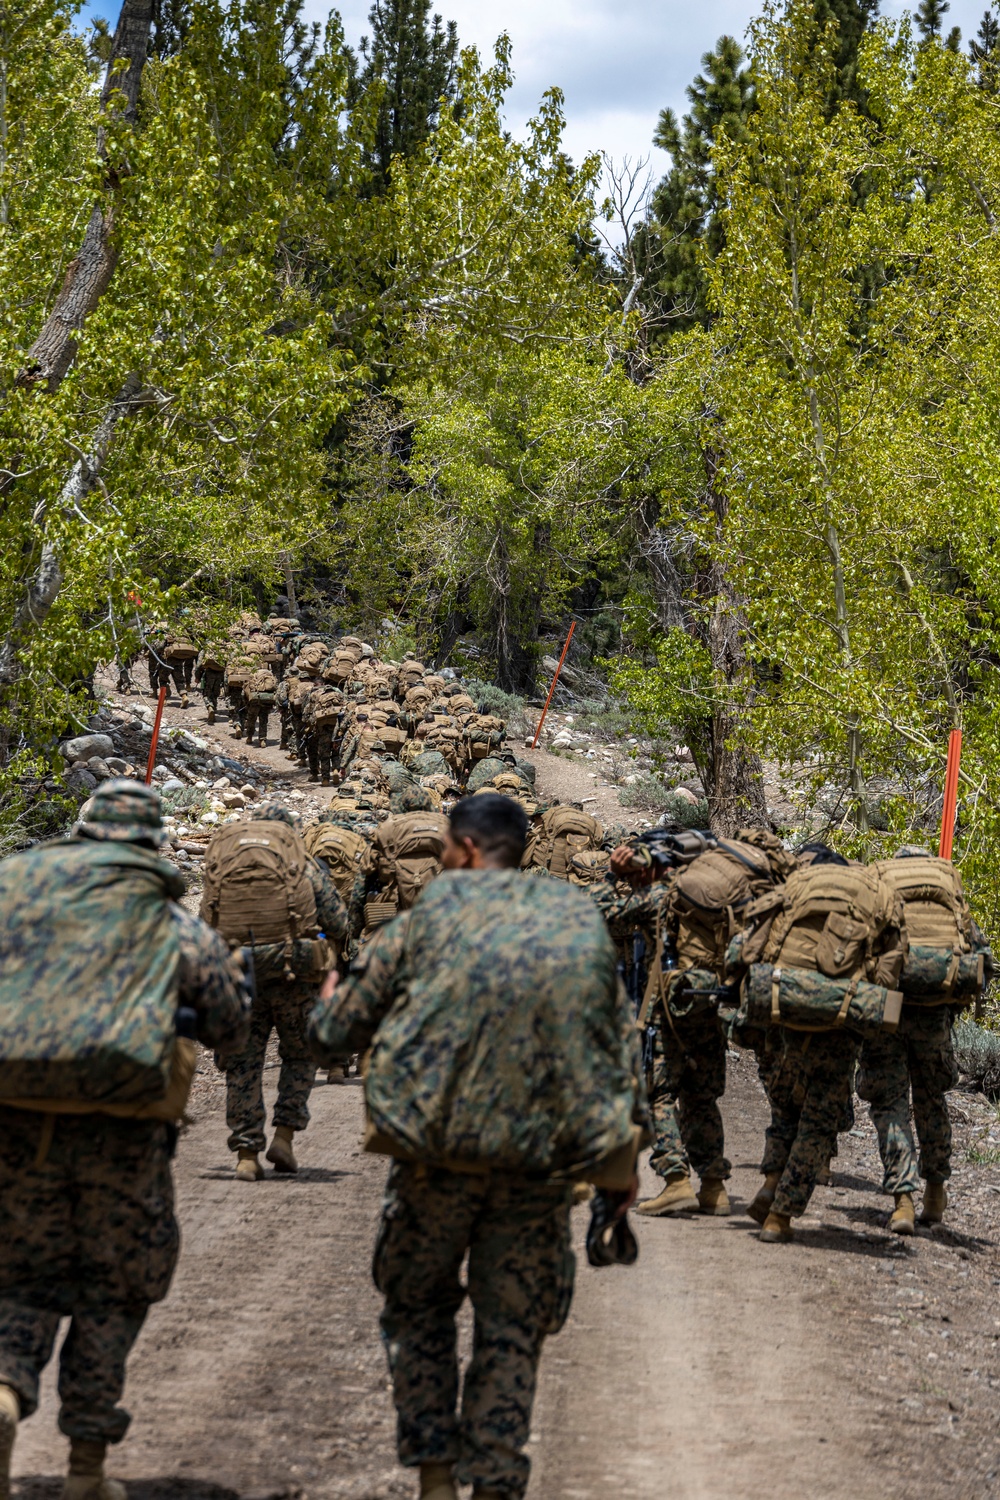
(649, 794)
(977, 1052)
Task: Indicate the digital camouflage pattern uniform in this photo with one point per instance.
(210, 680)
(810, 1084)
(919, 1059)
(687, 1070)
(283, 1006)
(810, 1088)
(514, 1230)
(86, 1200)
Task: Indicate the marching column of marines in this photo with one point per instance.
(531, 998)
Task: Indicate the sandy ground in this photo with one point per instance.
(850, 1364)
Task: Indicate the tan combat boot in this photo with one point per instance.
(280, 1154)
(713, 1198)
(903, 1220)
(237, 733)
(436, 1482)
(248, 1168)
(10, 1415)
(677, 1197)
(934, 1204)
(184, 700)
(824, 1176)
(777, 1229)
(761, 1205)
(262, 743)
(86, 1479)
(211, 715)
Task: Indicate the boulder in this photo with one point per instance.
(116, 765)
(684, 794)
(172, 784)
(99, 768)
(84, 746)
(80, 782)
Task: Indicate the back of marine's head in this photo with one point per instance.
(497, 826)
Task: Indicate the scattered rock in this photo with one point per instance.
(234, 800)
(685, 795)
(116, 765)
(222, 782)
(249, 792)
(172, 784)
(162, 773)
(84, 746)
(209, 818)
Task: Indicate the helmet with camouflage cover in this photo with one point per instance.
(273, 812)
(123, 810)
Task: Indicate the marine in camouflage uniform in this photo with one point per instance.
(210, 679)
(86, 1201)
(918, 1059)
(280, 1005)
(514, 1229)
(686, 1073)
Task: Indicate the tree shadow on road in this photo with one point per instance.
(36, 1487)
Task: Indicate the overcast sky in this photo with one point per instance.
(617, 61)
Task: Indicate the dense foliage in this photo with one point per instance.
(355, 329)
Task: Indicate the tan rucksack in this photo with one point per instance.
(588, 866)
(831, 920)
(325, 706)
(257, 888)
(933, 900)
(408, 850)
(344, 853)
(311, 658)
(262, 686)
(351, 645)
(483, 733)
(180, 649)
(563, 832)
(709, 898)
(340, 667)
(299, 689)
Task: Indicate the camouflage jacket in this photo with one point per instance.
(209, 983)
(500, 1036)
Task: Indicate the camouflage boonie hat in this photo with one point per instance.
(124, 810)
(911, 851)
(273, 812)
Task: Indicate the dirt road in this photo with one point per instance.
(850, 1364)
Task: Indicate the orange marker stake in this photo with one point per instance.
(156, 736)
(554, 681)
(950, 794)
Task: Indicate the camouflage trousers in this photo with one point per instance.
(520, 1283)
(810, 1089)
(211, 687)
(920, 1058)
(688, 1078)
(319, 748)
(284, 1008)
(255, 717)
(160, 674)
(88, 1229)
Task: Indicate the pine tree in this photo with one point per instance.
(984, 50)
(853, 17)
(415, 58)
(930, 16)
(684, 203)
